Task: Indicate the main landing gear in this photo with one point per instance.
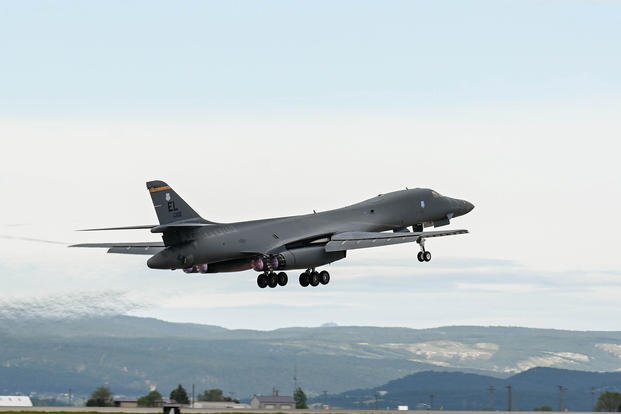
(423, 255)
(272, 279)
(314, 278)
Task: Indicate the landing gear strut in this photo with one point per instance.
(423, 255)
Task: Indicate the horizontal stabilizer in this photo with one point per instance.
(363, 240)
(180, 226)
(149, 248)
(140, 227)
(162, 228)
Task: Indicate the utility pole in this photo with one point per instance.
(69, 396)
(193, 396)
(561, 398)
(490, 391)
(592, 398)
(509, 398)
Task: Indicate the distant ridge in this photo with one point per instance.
(131, 353)
(462, 391)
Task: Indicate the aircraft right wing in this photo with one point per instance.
(363, 239)
(149, 248)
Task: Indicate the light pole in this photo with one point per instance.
(561, 398)
(491, 390)
(509, 398)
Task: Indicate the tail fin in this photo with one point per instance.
(169, 207)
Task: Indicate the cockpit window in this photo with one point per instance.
(435, 194)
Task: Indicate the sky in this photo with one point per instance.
(262, 109)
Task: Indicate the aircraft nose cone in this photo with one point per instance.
(462, 207)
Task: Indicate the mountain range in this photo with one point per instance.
(131, 354)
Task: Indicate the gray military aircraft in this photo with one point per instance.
(196, 245)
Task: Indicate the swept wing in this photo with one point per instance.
(363, 239)
(149, 248)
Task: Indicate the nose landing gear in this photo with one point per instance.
(423, 255)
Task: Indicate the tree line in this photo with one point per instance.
(102, 397)
(608, 401)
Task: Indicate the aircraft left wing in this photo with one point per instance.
(363, 240)
(149, 248)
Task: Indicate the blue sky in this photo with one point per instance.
(101, 57)
(261, 109)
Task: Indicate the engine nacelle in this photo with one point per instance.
(307, 257)
(201, 268)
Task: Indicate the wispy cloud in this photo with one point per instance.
(68, 306)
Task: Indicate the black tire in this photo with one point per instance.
(282, 279)
(420, 257)
(262, 281)
(324, 277)
(427, 256)
(304, 279)
(314, 279)
(272, 280)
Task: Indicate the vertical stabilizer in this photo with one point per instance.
(169, 207)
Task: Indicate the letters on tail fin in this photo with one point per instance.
(169, 207)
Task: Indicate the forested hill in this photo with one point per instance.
(130, 354)
(534, 388)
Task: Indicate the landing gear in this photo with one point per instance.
(314, 278)
(272, 280)
(423, 255)
(262, 280)
(269, 277)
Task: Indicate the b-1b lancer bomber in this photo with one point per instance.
(272, 246)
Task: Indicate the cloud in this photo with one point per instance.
(68, 306)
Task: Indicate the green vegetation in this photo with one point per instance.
(180, 395)
(214, 394)
(543, 408)
(152, 399)
(608, 401)
(300, 398)
(101, 397)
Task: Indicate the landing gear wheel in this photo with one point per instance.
(324, 277)
(314, 278)
(304, 279)
(427, 256)
(282, 278)
(262, 281)
(420, 257)
(272, 280)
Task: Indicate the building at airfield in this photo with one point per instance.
(272, 402)
(15, 401)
